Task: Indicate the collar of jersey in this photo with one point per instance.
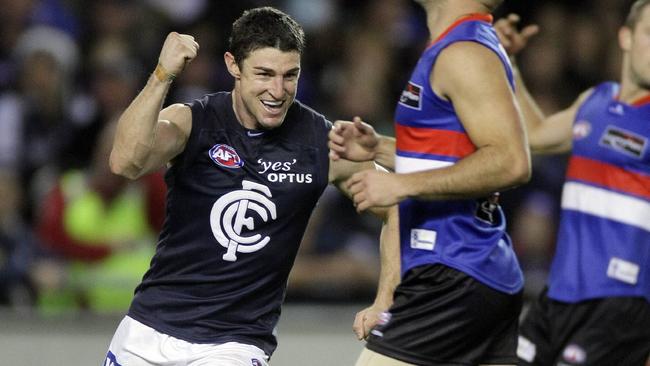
(466, 18)
(640, 102)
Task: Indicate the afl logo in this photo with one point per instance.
(581, 129)
(225, 156)
(229, 216)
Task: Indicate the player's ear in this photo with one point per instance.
(231, 64)
(625, 38)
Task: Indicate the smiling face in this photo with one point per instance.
(265, 86)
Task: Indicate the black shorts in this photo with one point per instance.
(608, 331)
(441, 316)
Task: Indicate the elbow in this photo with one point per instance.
(519, 170)
(122, 168)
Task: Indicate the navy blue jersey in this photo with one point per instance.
(238, 203)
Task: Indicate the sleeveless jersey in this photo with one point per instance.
(238, 203)
(603, 246)
(468, 235)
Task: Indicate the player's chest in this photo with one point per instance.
(616, 134)
(224, 160)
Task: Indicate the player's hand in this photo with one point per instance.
(373, 188)
(177, 51)
(512, 39)
(365, 320)
(355, 141)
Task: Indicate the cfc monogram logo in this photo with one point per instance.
(229, 216)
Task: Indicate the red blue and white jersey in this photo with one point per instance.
(603, 247)
(468, 235)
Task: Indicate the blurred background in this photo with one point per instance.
(75, 239)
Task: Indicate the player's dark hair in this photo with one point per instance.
(265, 27)
(635, 13)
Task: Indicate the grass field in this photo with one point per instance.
(315, 335)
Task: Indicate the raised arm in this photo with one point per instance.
(546, 134)
(146, 137)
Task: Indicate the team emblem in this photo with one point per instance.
(229, 216)
(411, 96)
(581, 129)
(574, 354)
(225, 156)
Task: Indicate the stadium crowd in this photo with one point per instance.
(75, 237)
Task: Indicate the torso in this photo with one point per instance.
(603, 244)
(237, 207)
(468, 235)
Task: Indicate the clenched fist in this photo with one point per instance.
(177, 51)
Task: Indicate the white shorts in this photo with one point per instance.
(135, 344)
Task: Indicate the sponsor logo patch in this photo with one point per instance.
(411, 96)
(623, 141)
(281, 172)
(623, 270)
(225, 156)
(526, 350)
(423, 239)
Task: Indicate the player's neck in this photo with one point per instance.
(243, 116)
(631, 91)
(633, 94)
(441, 15)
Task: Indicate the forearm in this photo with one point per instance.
(389, 275)
(532, 114)
(385, 152)
(489, 169)
(136, 129)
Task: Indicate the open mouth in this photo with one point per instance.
(273, 106)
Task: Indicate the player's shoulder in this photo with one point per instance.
(210, 100)
(467, 59)
(307, 115)
(607, 89)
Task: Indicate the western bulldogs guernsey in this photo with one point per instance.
(603, 247)
(237, 207)
(467, 235)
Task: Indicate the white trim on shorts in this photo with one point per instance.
(135, 344)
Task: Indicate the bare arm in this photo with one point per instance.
(389, 277)
(146, 137)
(473, 79)
(546, 134)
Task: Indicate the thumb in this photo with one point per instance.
(357, 327)
(362, 127)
